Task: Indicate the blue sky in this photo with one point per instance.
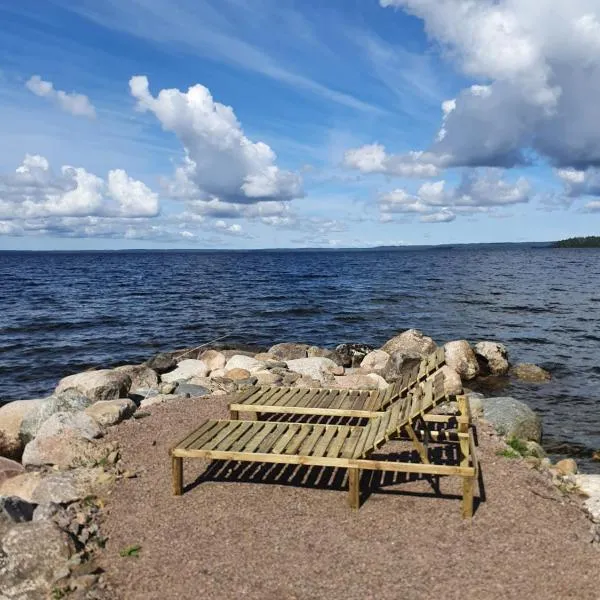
(280, 123)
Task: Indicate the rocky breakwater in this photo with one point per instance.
(56, 467)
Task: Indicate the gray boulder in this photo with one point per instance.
(319, 368)
(23, 486)
(190, 390)
(11, 420)
(111, 412)
(104, 384)
(492, 358)
(33, 555)
(9, 468)
(289, 351)
(213, 359)
(248, 363)
(15, 510)
(69, 401)
(69, 486)
(141, 376)
(161, 363)
(531, 373)
(400, 363)
(351, 355)
(460, 357)
(186, 369)
(513, 418)
(452, 381)
(376, 361)
(410, 342)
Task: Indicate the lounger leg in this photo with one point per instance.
(354, 488)
(177, 475)
(234, 415)
(467, 500)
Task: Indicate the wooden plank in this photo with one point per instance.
(321, 446)
(285, 439)
(381, 434)
(296, 442)
(354, 488)
(250, 395)
(266, 439)
(293, 399)
(308, 399)
(339, 398)
(325, 399)
(337, 443)
(350, 444)
(241, 442)
(310, 442)
(190, 437)
(200, 441)
(228, 430)
(350, 399)
(228, 441)
(266, 392)
(282, 396)
(308, 411)
(417, 443)
(177, 468)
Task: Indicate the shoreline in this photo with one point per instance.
(74, 447)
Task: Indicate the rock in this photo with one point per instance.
(225, 384)
(356, 381)
(315, 351)
(9, 468)
(452, 381)
(167, 387)
(46, 512)
(104, 384)
(351, 355)
(492, 358)
(161, 363)
(186, 369)
(141, 376)
(191, 390)
(237, 374)
(461, 358)
(476, 403)
(111, 412)
(64, 440)
(304, 381)
(213, 359)
(68, 486)
(410, 342)
(531, 373)
(69, 401)
(244, 384)
(15, 510)
(11, 420)
(239, 361)
(217, 373)
(590, 486)
(376, 361)
(378, 380)
(566, 466)
(318, 368)
(158, 399)
(535, 450)
(268, 378)
(512, 418)
(265, 356)
(289, 351)
(399, 364)
(23, 486)
(33, 555)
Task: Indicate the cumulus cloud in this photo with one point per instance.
(220, 160)
(34, 191)
(580, 183)
(539, 69)
(78, 105)
(435, 202)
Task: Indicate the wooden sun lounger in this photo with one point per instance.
(333, 402)
(334, 446)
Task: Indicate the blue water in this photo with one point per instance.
(64, 312)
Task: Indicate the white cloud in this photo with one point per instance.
(372, 158)
(537, 72)
(593, 206)
(78, 105)
(478, 191)
(34, 191)
(580, 183)
(220, 160)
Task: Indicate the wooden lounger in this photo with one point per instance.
(333, 445)
(333, 402)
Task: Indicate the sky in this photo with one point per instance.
(297, 123)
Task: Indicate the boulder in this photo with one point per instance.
(70, 401)
(217, 373)
(410, 342)
(161, 363)
(316, 351)
(319, 368)
(351, 355)
(186, 369)
(69, 486)
(535, 450)
(590, 486)
(512, 418)
(400, 363)
(356, 381)
(566, 466)
(158, 399)
(376, 361)
(104, 384)
(9, 468)
(237, 374)
(378, 380)
(265, 356)
(461, 358)
(191, 389)
(142, 376)
(452, 381)
(213, 359)
(23, 486)
(111, 412)
(476, 404)
(289, 351)
(531, 373)
(249, 363)
(268, 378)
(15, 510)
(305, 381)
(64, 440)
(11, 419)
(492, 358)
(34, 555)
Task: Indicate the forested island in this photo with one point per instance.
(591, 241)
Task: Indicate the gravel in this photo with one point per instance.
(229, 539)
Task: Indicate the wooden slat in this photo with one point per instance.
(266, 392)
(309, 398)
(339, 398)
(226, 431)
(193, 435)
(321, 446)
(283, 395)
(349, 400)
(240, 444)
(309, 443)
(285, 439)
(251, 395)
(227, 442)
(351, 442)
(294, 397)
(364, 436)
(200, 441)
(338, 441)
(266, 441)
(296, 442)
